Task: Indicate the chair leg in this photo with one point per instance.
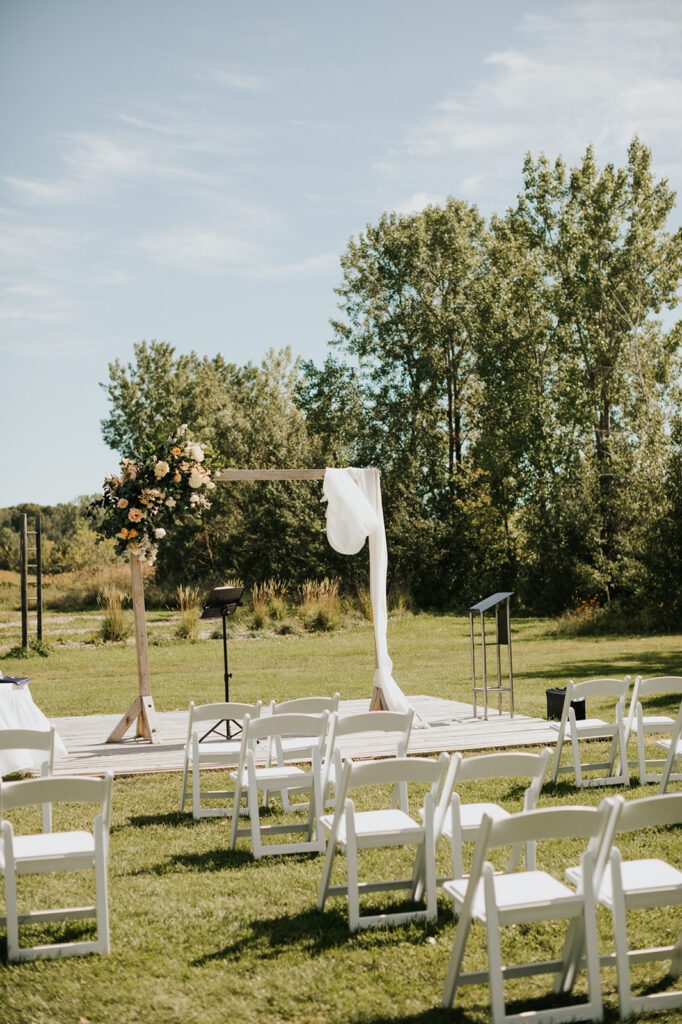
(641, 758)
(492, 923)
(624, 772)
(184, 786)
(196, 790)
(620, 932)
(429, 871)
(326, 874)
(11, 913)
(575, 745)
(102, 895)
(456, 958)
(591, 942)
(235, 810)
(353, 878)
(254, 815)
(557, 751)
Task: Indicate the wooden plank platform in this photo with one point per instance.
(452, 727)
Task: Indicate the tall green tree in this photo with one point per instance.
(609, 269)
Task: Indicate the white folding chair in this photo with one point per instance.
(594, 728)
(296, 746)
(211, 753)
(251, 780)
(350, 831)
(40, 744)
(56, 851)
(640, 884)
(393, 729)
(647, 725)
(460, 822)
(674, 748)
(524, 897)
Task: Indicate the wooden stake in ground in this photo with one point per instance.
(142, 709)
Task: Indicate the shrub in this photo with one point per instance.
(188, 623)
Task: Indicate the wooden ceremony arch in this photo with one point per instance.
(142, 712)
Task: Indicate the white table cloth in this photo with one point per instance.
(18, 710)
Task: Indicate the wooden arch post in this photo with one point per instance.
(142, 710)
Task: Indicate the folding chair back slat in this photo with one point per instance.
(305, 725)
(305, 705)
(601, 688)
(81, 789)
(394, 770)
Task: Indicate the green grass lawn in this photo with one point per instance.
(200, 934)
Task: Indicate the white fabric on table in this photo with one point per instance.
(354, 512)
(18, 710)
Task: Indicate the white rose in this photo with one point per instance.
(171, 502)
(196, 479)
(194, 498)
(159, 532)
(210, 486)
(196, 452)
(161, 469)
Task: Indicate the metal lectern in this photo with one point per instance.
(220, 604)
(501, 603)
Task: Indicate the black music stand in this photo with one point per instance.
(220, 604)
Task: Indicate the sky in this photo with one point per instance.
(192, 172)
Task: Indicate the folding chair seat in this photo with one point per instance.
(460, 822)
(674, 748)
(250, 781)
(78, 850)
(526, 897)
(282, 750)
(350, 831)
(639, 884)
(39, 745)
(394, 729)
(594, 728)
(646, 725)
(211, 753)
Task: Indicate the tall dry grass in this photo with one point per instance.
(189, 603)
(320, 607)
(115, 625)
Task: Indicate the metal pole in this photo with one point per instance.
(485, 668)
(39, 578)
(473, 658)
(24, 582)
(509, 653)
(499, 663)
(227, 674)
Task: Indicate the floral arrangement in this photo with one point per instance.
(153, 492)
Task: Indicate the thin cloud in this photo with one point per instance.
(230, 78)
(596, 71)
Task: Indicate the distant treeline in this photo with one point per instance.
(514, 382)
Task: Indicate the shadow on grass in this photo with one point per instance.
(220, 859)
(612, 665)
(315, 931)
(173, 818)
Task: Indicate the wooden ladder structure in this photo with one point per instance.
(31, 578)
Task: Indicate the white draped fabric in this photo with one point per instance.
(18, 710)
(354, 513)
